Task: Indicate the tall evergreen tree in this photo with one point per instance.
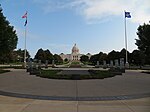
(8, 38)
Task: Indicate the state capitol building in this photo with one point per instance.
(75, 55)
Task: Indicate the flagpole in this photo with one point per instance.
(126, 44)
(25, 51)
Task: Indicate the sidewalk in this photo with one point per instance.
(130, 84)
(12, 104)
(133, 87)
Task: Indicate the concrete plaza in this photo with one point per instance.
(21, 92)
(12, 104)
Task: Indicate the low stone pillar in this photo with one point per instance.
(116, 63)
(46, 64)
(29, 65)
(104, 64)
(122, 66)
(53, 63)
(122, 63)
(97, 64)
(127, 65)
(111, 64)
(39, 64)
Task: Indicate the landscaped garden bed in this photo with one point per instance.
(75, 64)
(147, 72)
(12, 66)
(4, 71)
(93, 74)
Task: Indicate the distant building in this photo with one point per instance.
(74, 56)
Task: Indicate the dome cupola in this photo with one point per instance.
(75, 49)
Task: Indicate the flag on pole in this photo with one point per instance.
(127, 15)
(25, 16)
(25, 22)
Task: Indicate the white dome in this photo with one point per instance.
(75, 50)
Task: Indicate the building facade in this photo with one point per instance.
(74, 56)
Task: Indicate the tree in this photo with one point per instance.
(102, 57)
(113, 55)
(19, 55)
(48, 56)
(66, 60)
(84, 58)
(40, 55)
(57, 59)
(10, 57)
(44, 55)
(98, 57)
(94, 59)
(137, 57)
(8, 38)
(143, 42)
(122, 54)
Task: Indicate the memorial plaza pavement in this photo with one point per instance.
(21, 92)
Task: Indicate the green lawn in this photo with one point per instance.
(75, 63)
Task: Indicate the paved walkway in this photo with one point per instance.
(130, 85)
(129, 92)
(12, 104)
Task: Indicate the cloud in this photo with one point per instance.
(102, 9)
(99, 10)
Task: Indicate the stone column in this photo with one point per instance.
(111, 63)
(116, 63)
(46, 64)
(122, 66)
(53, 63)
(97, 64)
(39, 64)
(29, 65)
(122, 63)
(104, 64)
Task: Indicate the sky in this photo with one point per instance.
(94, 25)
